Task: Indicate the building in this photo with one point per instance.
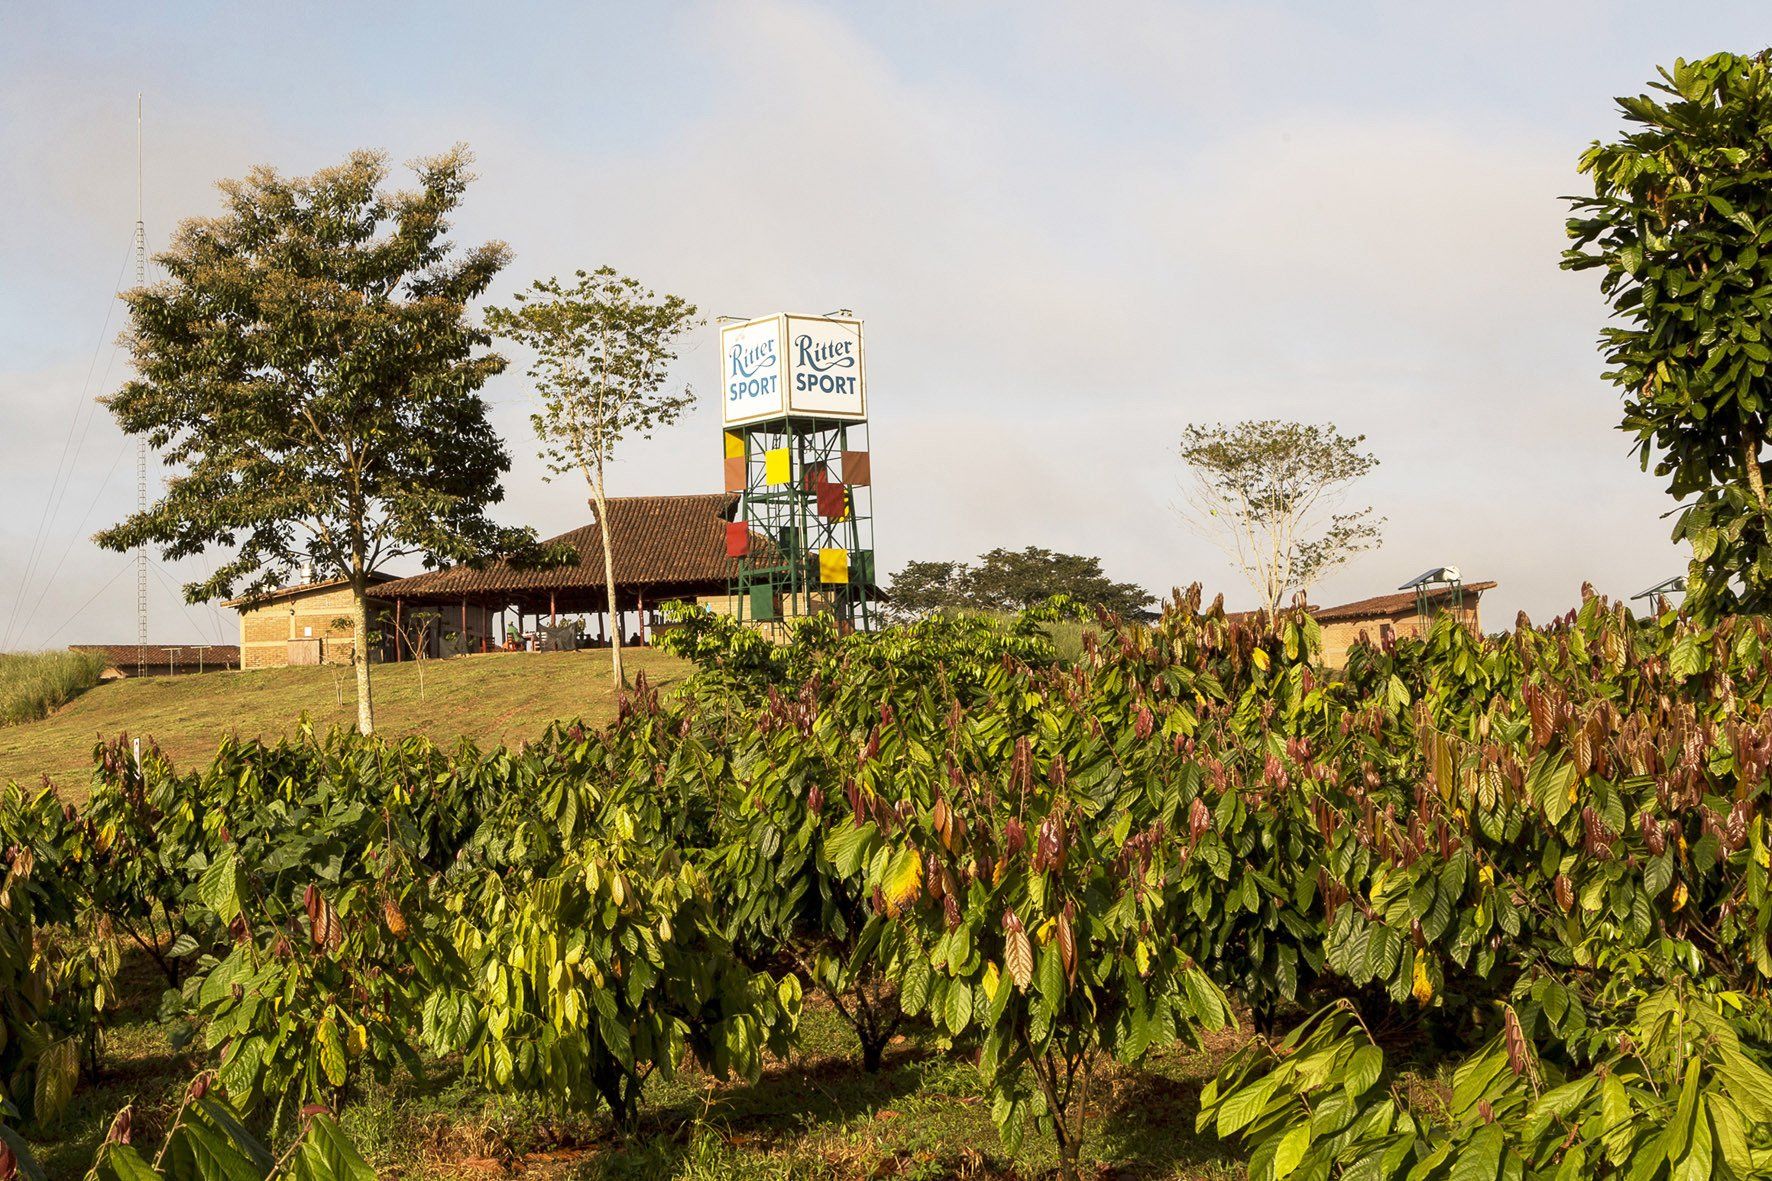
(306, 624)
(161, 660)
(667, 549)
(1396, 616)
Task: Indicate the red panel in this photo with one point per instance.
(833, 501)
(738, 539)
(735, 473)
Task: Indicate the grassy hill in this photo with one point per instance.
(493, 698)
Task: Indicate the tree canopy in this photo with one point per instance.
(1011, 580)
(309, 371)
(1270, 494)
(1680, 227)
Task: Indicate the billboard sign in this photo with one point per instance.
(810, 366)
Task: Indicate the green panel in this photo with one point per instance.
(763, 602)
(861, 567)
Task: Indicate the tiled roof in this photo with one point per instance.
(1398, 603)
(124, 656)
(284, 592)
(659, 540)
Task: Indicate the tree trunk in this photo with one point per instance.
(360, 654)
(618, 675)
(1750, 462)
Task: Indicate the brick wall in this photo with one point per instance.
(324, 614)
(1340, 636)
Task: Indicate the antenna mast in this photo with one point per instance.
(141, 443)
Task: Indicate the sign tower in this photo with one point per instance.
(794, 398)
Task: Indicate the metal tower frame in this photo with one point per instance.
(784, 574)
(141, 442)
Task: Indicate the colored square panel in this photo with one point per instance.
(833, 565)
(735, 473)
(778, 466)
(833, 502)
(816, 476)
(762, 602)
(856, 469)
(861, 567)
(734, 445)
(738, 539)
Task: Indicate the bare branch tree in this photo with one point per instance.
(1270, 494)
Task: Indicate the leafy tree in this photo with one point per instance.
(923, 587)
(1011, 580)
(309, 365)
(1267, 493)
(604, 348)
(1680, 225)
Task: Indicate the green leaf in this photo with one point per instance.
(58, 1070)
(219, 887)
(327, 1154)
(914, 988)
(1239, 1108)
(959, 1006)
(331, 1048)
(1051, 974)
(1291, 1150)
(849, 846)
(1363, 1070)
(215, 1157)
(125, 1162)
(227, 1121)
(1480, 1158)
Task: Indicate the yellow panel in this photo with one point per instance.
(833, 565)
(734, 445)
(778, 466)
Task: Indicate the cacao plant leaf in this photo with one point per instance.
(219, 887)
(327, 1154)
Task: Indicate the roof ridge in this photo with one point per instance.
(674, 496)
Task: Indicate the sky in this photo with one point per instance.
(1072, 231)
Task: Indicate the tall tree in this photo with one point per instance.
(1011, 580)
(603, 353)
(1270, 494)
(1680, 225)
(311, 375)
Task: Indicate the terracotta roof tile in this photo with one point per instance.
(124, 656)
(284, 592)
(659, 540)
(1397, 603)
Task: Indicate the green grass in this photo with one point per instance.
(816, 1115)
(32, 684)
(494, 698)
